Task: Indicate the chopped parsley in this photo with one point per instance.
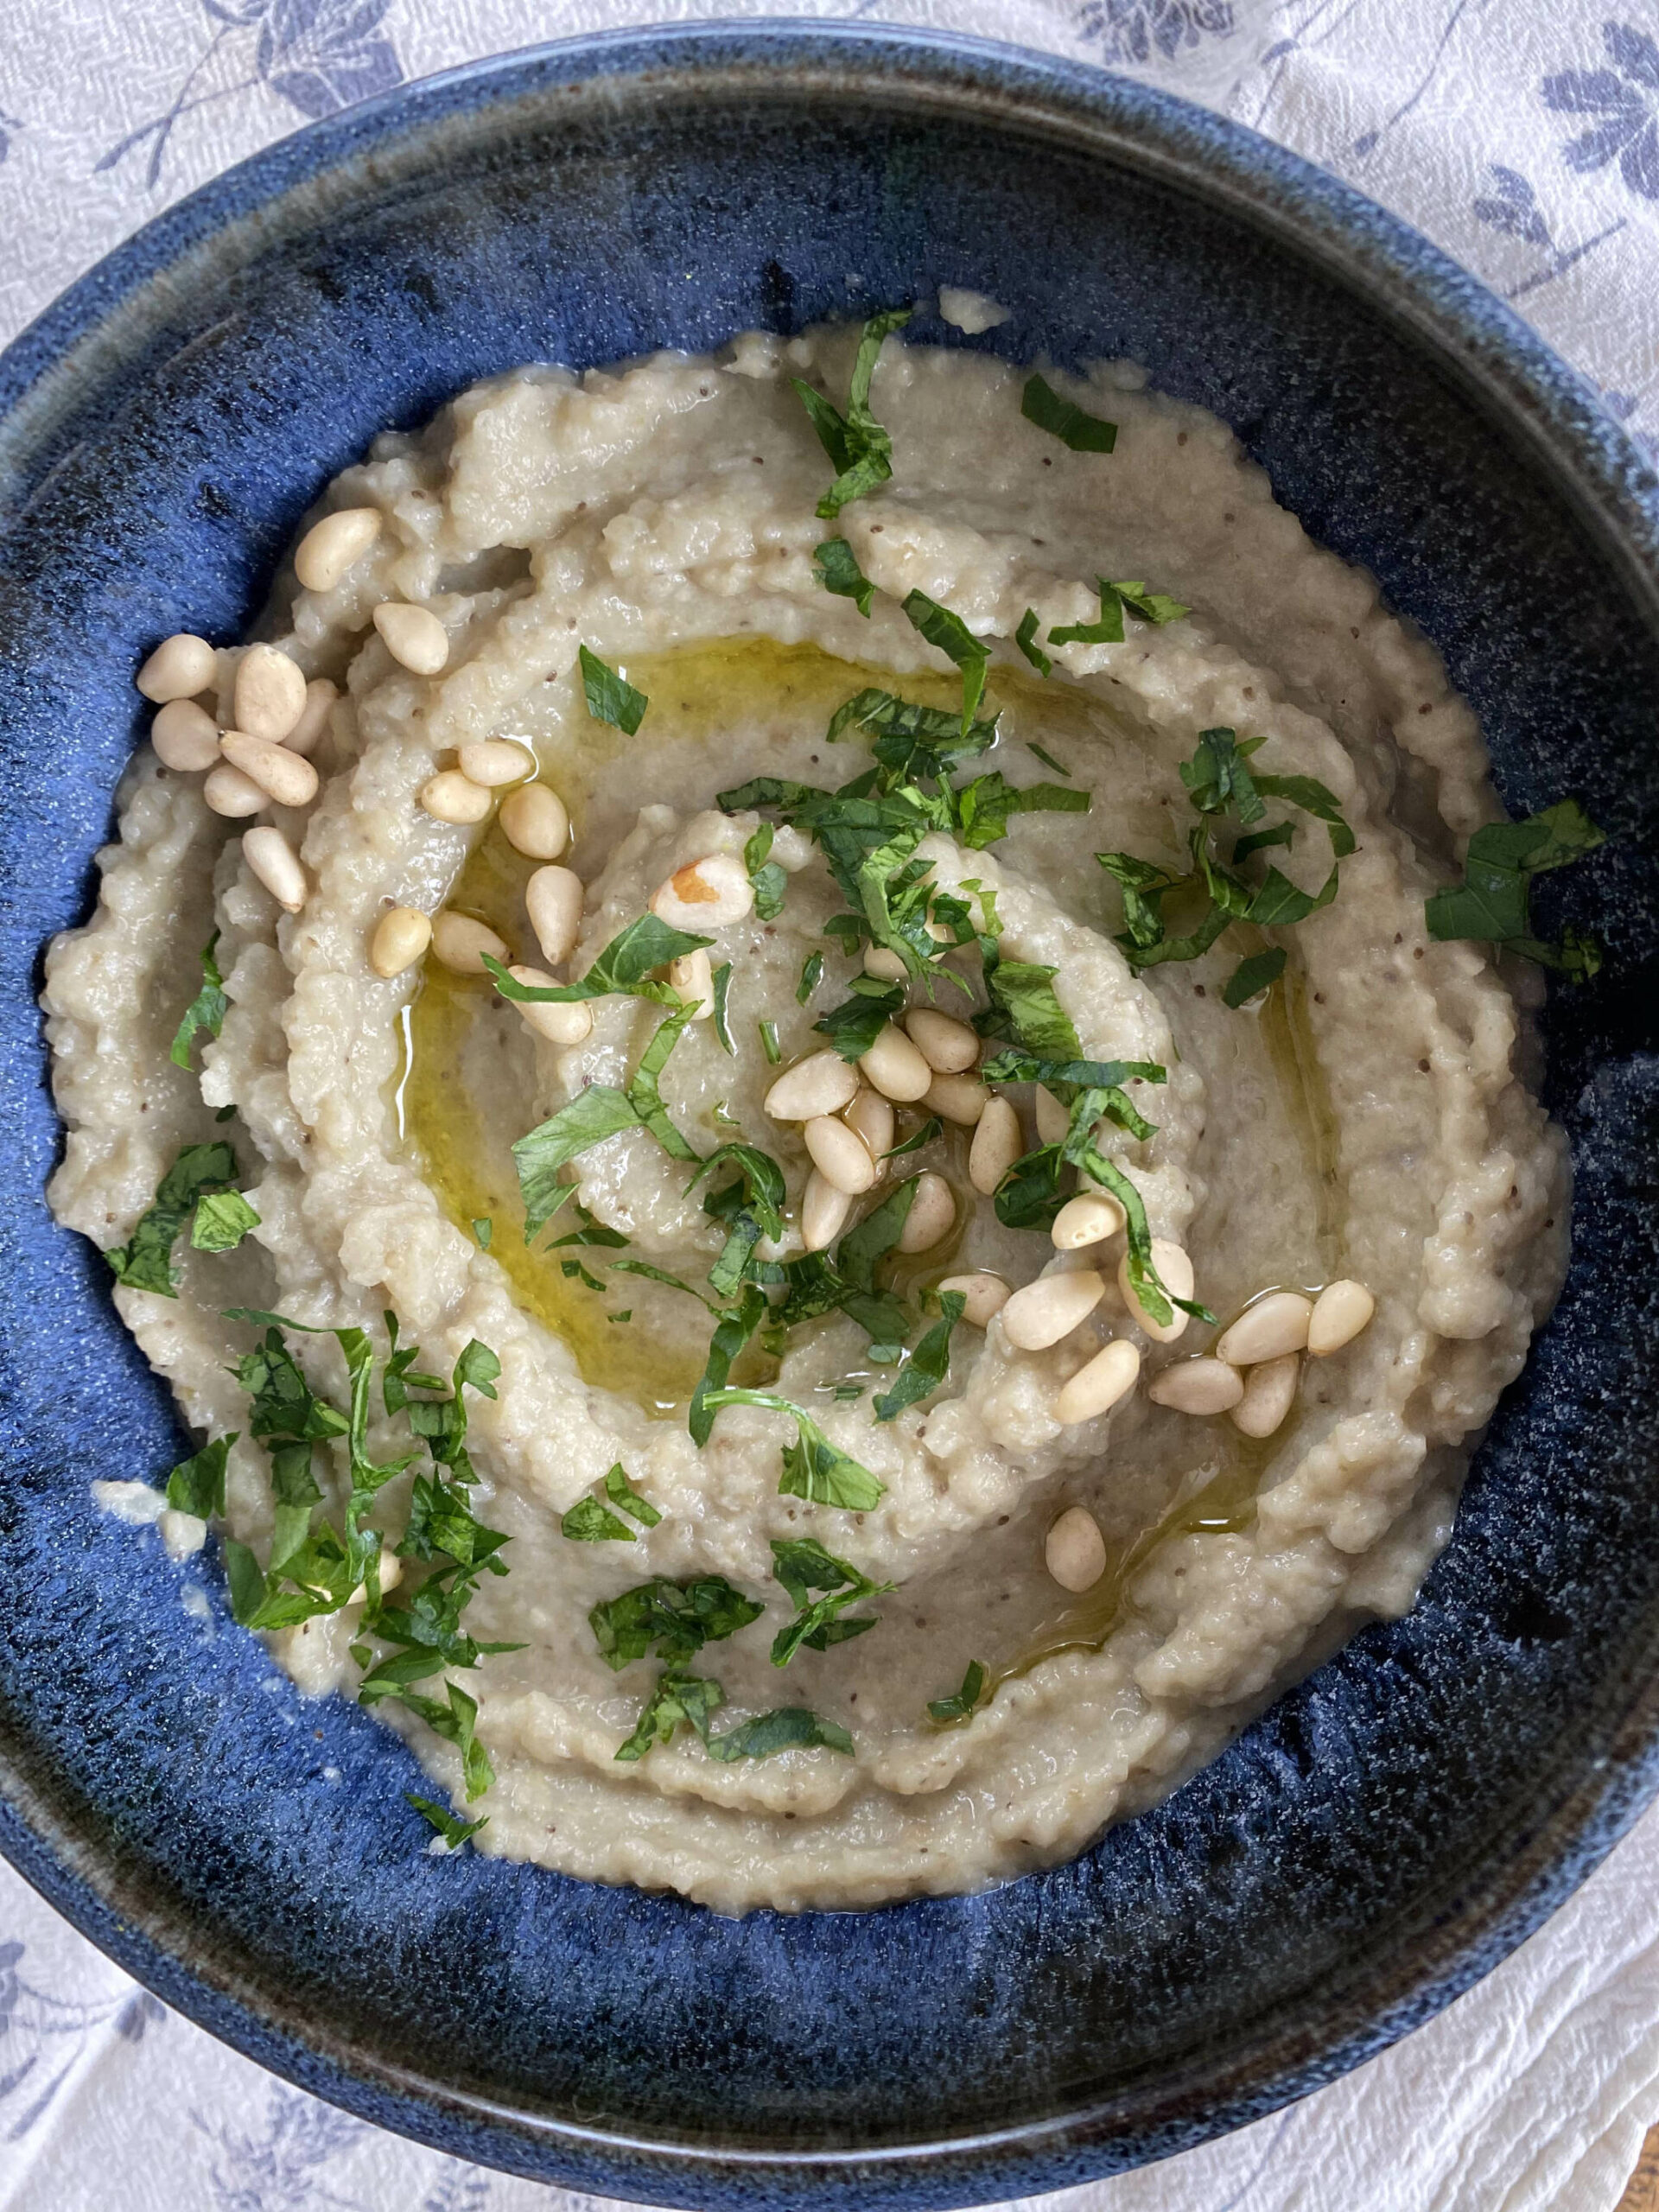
(144, 1262)
(623, 968)
(454, 1831)
(1041, 404)
(918, 1140)
(769, 1044)
(1026, 638)
(682, 1697)
(839, 572)
(1047, 759)
(206, 1011)
(1253, 974)
(860, 450)
(984, 806)
(676, 1619)
(679, 1696)
(802, 1566)
(222, 1219)
(951, 635)
(197, 1485)
(483, 1229)
(731, 1332)
(812, 976)
(928, 1365)
(1116, 599)
(1493, 902)
(591, 1522)
(813, 1468)
(610, 698)
(769, 881)
(722, 980)
(961, 1702)
(854, 1025)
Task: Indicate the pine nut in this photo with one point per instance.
(1341, 1311)
(932, 1215)
(948, 1046)
(413, 635)
(451, 797)
(561, 1022)
(336, 543)
(708, 895)
(228, 791)
(307, 732)
(791, 848)
(185, 736)
(273, 860)
(182, 1534)
(287, 780)
(553, 900)
(180, 667)
(460, 943)
(1074, 1551)
(838, 1154)
(1050, 1308)
(822, 1084)
(1275, 1324)
(1175, 1273)
(895, 1067)
(267, 694)
(1052, 1119)
(1197, 1385)
(883, 963)
(1090, 1219)
(959, 1098)
(693, 977)
(987, 1295)
(493, 762)
(1095, 1389)
(534, 821)
(400, 939)
(870, 1115)
(997, 1144)
(823, 1212)
(1269, 1393)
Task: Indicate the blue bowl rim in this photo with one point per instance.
(1475, 339)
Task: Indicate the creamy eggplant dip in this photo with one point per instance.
(795, 1081)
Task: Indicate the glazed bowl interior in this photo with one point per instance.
(1394, 1824)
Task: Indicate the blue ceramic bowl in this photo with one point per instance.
(1395, 1824)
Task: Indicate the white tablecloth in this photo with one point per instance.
(1524, 136)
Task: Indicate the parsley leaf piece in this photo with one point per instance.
(1014, 1066)
(791, 1728)
(722, 980)
(454, 1832)
(1114, 599)
(1218, 777)
(676, 1618)
(646, 1099)
(1026, 638)
(621, 968)
(1280, 902)
(926, 1369)
(1150, 606)
(921, 1138)
(735, 1327)
(854, 1025)
(814, 1468)
(769, 1044)
(1023, 1001)
(678, 1696)
(1047, 759)
(1259, 841)
(589, 1521)
(1152, 1293)
(456, 1723)
(911, 740)
(1493, 902)
(206, 1011)
(144, 1262)
(587, 1233)
(812, 976)
(642, 1268)
(1314, 798)
(1029, 1196)
(960, 1703)
(593, 1114)
(802, 1566)
(610, 699)
(860, 450)
(761, 1185)
(483, 1229)
(951, 635)
(1062, 418)
(222, 1219)
(767, 878)
(839, 572)
(983, 807)
(626, 1499)
(197, 1485)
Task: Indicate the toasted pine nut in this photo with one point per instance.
(838, 1154)
(273, 860)
(1050, 1308)
(400, 939)
(1197, 1385)
(1275, 1324)
(1052, 1119)
(228, 791)
(895, 1067)
(561, 1022)
(822, 1084)
(932, 1215)
(451, 797)
(1269, 1393)
(948, 1046)
(1095, 1389)
(871, 1115)
(332, 546)
(693, 977)
(959, 1098)
(460, 943)
(823, 1212)
(414, 636)
(883, 963)
(791, 848)
(180, 666)
(987, 1295)
(1341, 1311)
(997, 1144)
(534, 821)
(185, 736)
(1074, 1551)
(1175, 1273)
(493, 762)
(268, 693)
(553, 900)
(287, 780)
(707, 894)
(1090, 1219)
(307, 732)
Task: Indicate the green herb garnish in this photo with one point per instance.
(454, 1831)
(206, 1011)
(769, 1044)
(768, 879)
(802, 1566)
(222, 1219)
(1063, 419)
(860, 450)
(854, 1025)
(722, 980)
(144, 1262)
(812, 976)
(1116, 599)
(622, 969)
(814, 1468)
(610, 699)
(951, 635)
(839, 572)
(675, 1618)
(928, 1365)
(197, 1485)
(1026, 638)
(1493, 902)
(1047, 759)
(960, 1703)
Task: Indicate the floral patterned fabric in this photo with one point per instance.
(1524, 138)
